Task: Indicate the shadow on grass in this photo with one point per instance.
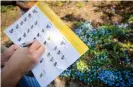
(121, 8)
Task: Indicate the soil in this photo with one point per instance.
(97, 12)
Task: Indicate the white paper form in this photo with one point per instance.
(59, 53)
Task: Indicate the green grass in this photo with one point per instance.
(6, 8)
(80, 4)
(131, 18)
(77, 23)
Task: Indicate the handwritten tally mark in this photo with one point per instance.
(19, 39)
(48, 26)
(36, 22)
(21, 23)
(48, 54)
(11, 31)
(28, 30)
(45, 42)
(59, 52)
(17, 26)
(43, 30)
(24, 35)
(52, 59)
(25, 19)
(62, 57)
(62, 43)
(34, 38)
(29, 15)
(38, 34)
(55, 63)
(31, 26)
(34, 11)
(41, 60)
(41, 75)
(55, 48)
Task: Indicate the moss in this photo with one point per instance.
(6, 8)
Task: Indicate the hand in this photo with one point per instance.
(24, 59)
(8, 53)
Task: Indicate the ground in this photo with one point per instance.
(74, 13)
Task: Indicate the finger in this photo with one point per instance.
(40, 51)
(15, 46)
(35, 45)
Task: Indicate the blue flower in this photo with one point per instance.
(130, 81)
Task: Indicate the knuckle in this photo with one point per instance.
(34, 59)
(30, 51)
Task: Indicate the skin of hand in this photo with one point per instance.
(23, 60)
(8, 53)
